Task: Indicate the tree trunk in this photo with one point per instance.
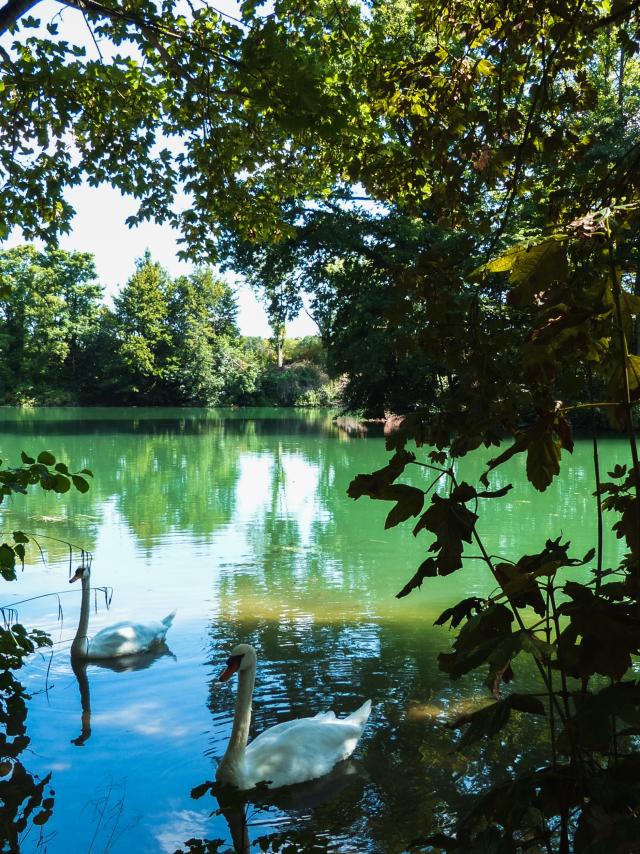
(621, 70)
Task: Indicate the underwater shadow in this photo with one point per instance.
(241, 809)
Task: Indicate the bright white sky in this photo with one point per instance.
(99, 225)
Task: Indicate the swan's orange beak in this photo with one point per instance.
(233, 665)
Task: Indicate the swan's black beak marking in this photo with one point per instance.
(233, 665)
(76, 577)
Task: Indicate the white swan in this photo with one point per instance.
(286, 753)
(123, 638)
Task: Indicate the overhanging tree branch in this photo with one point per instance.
(615, 17)
(12, 11)
(151, 29)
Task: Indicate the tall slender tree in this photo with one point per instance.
(142, 333)
(203, 325)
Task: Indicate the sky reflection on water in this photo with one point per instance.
(240, 520)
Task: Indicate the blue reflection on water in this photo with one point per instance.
(241, 522)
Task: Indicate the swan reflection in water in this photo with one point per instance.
(296, 801)
(122, 664)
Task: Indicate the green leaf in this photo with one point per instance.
(46, 458)
(453, 524)
(410, 501)
(618, 471)
(481, 639)
(7, 556)
(80, 483)
(527, 260)
(374, 484)
(62, 484)
(494, 717)
(535, 272)
(484, 67)
(543, 441)
(26, 459)
(485, 722)
(463, 492)
(534, 646)
(609, 633)
(543, 458)
(62, 468)
(459, 612)
(527, 703)
(620, 833)
(616, 388)
(519, 585)
(427, 569)
(20, 537)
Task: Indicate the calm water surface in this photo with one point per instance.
(240, 520)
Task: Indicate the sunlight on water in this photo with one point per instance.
(240, 521)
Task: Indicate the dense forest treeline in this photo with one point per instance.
(166, 341)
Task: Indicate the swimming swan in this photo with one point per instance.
(119, 639)
(286, 753)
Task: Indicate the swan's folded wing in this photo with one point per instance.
(302, 750)
(125, 638)
(277, 729)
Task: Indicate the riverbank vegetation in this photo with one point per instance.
(165, 342)
(457, 186)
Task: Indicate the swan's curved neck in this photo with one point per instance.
(80, 645)
(242, 717)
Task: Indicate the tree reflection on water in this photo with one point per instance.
(26, 801)
(251, 514)
(406, 777)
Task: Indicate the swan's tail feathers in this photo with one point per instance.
(168, 620)
(327, 716)
(361, 715)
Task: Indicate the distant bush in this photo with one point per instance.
(302, 381)
(246, 366)
(328, 394)
(299, 384)
(308, 349)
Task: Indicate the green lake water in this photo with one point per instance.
(239, 519)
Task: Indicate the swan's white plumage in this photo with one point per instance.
(124, 638)
(290, 752)
(303, 749)
(128, 638)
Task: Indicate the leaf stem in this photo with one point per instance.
(624, 352)
(487, 559)
(596, 468)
